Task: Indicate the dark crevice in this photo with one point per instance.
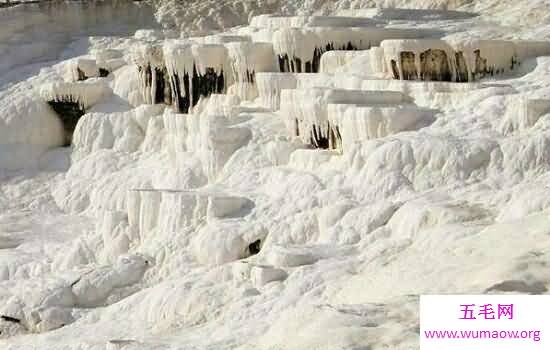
(103, 72)
(69, 111)
(10, 319)
(395, 70)
(250, 76)
(255, 247)
(81, 75)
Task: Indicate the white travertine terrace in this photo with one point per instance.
(153, 209)
(149, 59)
(371, 61)
(300, 49)
(86, 93)
(332, 60)
(270, 85)
(305, 110)
(424, 92)
(245, 59)
(456, 60)
(195, 70)
(356, 123)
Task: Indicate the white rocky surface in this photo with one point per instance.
(244, 180)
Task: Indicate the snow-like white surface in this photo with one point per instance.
(226, 227)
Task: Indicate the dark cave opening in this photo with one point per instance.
(255, 247)
(103, 72)
(69, 111)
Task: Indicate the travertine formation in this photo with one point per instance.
(275, 55)
(299, 172)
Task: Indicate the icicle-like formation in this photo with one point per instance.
(524, 112)
(173, 210)
(195, 71)
(71, 100)
(300, 49)
(211, 135)
(458, 60)
(176, 132)
(214, 138)
(425, 93)
(246, 59)
(353, 123)
(86, 93)
(270, 85)
(153, 78)
(305, 110)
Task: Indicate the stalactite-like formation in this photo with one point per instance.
(195, 86)
(453, 60)
(434, 66)
(317, 139)
(462, 73)
(163, 93)
(155, 84)
(481, 69)
(331, 141)
(408, 66)
(182, 98)
(395, 70)
(295, 64)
